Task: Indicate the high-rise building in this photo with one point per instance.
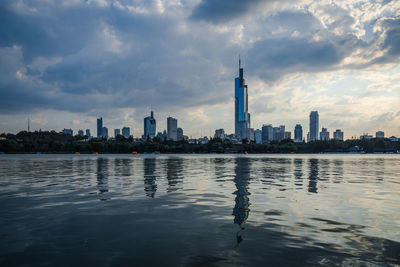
(105, 132)
(150, 126)
(324, 134)
(314, 125)
(247, 133)
(179, 133)
(99, 127)
(242, 115)
(380, 134)
(88, 132)
(258, 136)
(117, 132)
(172, 129)
(338, 135)
(126, 132)
(80, 133)
(267, 134)
(68, 131)
(298, 133)
(288, 135)
(219, 133)
(281, 132)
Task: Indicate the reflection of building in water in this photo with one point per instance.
(338, 172)
(102, 175)
(242, 179)
(298, 172)
(313, 176)
(174, 173)
(150, 186)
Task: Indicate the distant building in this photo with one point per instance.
(338, 135)
(267, 134)
(288, 135)
(105, 133)
(314, 125)
(179, 133)
(393, 139)
(298, 133)
(219, 133)
(380, 134)
(324, 135)
(126, 132)
(150, 126)
(99, 127)
(88, 132)
(247, 133)
(68, 131)
(365, 137)
(308, 137)
(117, 132)
(161, 136)
(258, 136)
(242, 115)
(80, 133)
(172, 128)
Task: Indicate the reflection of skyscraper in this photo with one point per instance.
(102, 176)
(174, 173)
(241, 180)
(242, 115)
(298, 172)
(314, 125)
(313, 176)
(150, 186)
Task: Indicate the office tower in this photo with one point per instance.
(324, 135)
(99, 127)
(88, 132)
(314, 125)
(105, 133)
(267, 133)
(126, 132)
(80, 133)
(258, 136)
(117, 132)
(247, 133)
(242, 116)
(288, 135)
(298, 133)
(380, 134)
(68, 131)
(150, 126)
(160, 135)
(172, 129)
(308, 137)
(281, 132)
(338, 135)
(179, 133)
(219, 133)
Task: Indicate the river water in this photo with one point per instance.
(199, 210)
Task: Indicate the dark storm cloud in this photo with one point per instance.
(217, 11)
(85, 56)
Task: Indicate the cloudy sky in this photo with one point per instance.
(64, 63)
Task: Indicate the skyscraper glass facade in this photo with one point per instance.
(150, 126)
(314, 125)
(242, 116)
(99, 127)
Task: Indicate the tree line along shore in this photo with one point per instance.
(53, 142)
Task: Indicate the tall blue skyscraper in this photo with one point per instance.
(242, 116)
(314, 125)
(150, 126)
(99, 128)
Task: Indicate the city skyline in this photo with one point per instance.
(341, 59)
